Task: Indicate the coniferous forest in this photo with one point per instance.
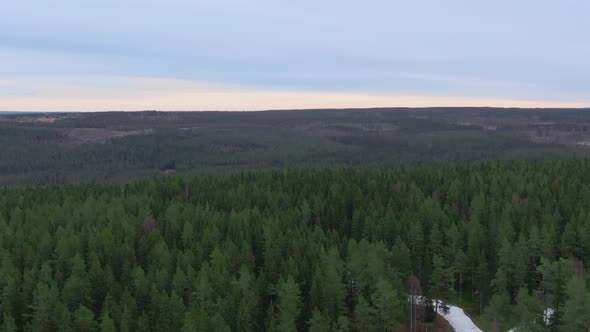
(63, 148)
(286, 166)
(318, 250)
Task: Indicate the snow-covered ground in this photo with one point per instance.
(460, 322)
(458, 319)
(547, 315)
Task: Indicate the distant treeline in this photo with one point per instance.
(74, 147)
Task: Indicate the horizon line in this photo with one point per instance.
(296, 109)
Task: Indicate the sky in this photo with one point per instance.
(107, 55)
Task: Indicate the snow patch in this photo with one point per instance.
(457, 318)
(548, 315)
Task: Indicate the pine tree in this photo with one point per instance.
(387, 305)
(219, 324)
(176, 311)
(529, 312)
(318, 322)
(84, 320)
(332, 289)
(64, 318)
(364, 315)
(576, 309)
(497, 313)
(401, 258)
(441, 279)
(107, 324)
(45, 300)
(342, 324)
(8, 323)
(77, 288)
(289, 305)
(271, 320)
(125, 323)
(143, 322)
(481, 281)
(460, 267)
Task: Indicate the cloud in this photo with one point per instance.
(529, 49)
(135, 94)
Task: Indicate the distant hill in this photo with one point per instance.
(56, 148)
(14, 113)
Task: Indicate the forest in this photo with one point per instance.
(61, 148)
(324, 249)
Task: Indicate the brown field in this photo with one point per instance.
(97, 135)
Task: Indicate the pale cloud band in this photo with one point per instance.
(136, 94)
(267, 54)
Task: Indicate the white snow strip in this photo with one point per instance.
(458, 319)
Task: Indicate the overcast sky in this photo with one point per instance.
(259, 54)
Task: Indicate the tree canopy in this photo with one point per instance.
(300, 249)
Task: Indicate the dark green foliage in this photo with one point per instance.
(497, 314)
(74, 147)
(576, 310)
(107, 324)
(388, 307)
(529, 311)
(296, 250)
(289, 305)
(84, 320)
(318, 322)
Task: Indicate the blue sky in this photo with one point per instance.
(176, 54)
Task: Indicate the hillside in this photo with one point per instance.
(55, 148)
